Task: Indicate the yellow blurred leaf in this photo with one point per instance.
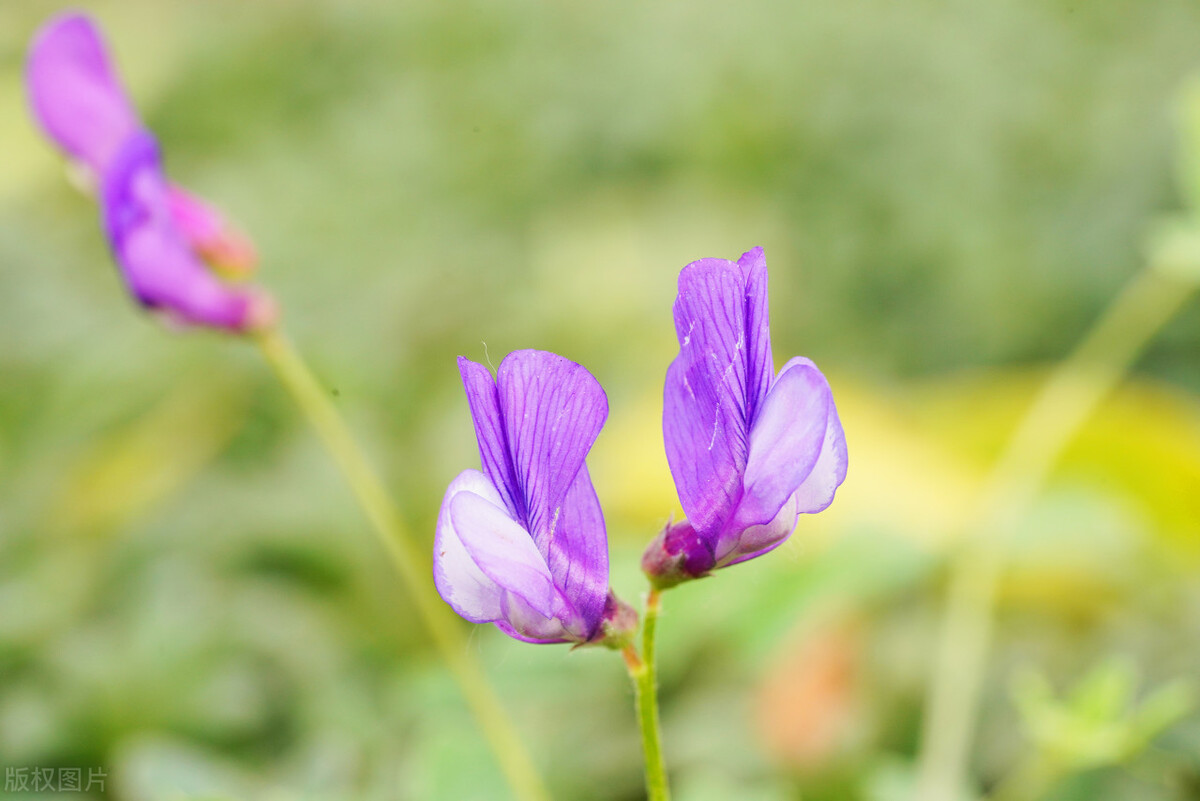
(1142, 444)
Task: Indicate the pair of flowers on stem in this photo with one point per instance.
(522, 543)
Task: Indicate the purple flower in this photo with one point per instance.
(159, 233)
(522, 544)
(750, 450)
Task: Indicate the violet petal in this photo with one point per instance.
(704, 414)
(552, 410)
(577, 551)
(758, 540)
(75, 93)
(784, 443)
(816, 492)
(503, 550)
(460, 582)
(484, 402)
(498, 593)
(508, 629)
(523, 621)
(760, 368)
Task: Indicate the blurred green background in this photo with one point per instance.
(948, 194)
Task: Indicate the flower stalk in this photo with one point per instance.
(409, 560)
(643, 672)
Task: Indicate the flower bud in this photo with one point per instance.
(211, 236)
(676, 555)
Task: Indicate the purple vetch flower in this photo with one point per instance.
(160, 235)
(750, 450)
(522, 544)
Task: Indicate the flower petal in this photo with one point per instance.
(552, 411)
(704, 415)
(481, 555)
(157, 265)
(760, 367)
(785, 443)
(460, 582)
(503, 550)
(577, 552)
(464, 585)
(484, 401)
(550, 639)
(816, 492)
(75, 93)
(527, 624)
(758, 540)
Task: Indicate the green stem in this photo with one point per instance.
(645, 685)
(1064, 403)
(411, 562)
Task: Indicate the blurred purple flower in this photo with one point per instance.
(158, 232)
(522, 544)
(750, 451)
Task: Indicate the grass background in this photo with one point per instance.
(948, 195)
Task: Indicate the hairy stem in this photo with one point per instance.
(645, 685)
(411, 563)
(1064, 403)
